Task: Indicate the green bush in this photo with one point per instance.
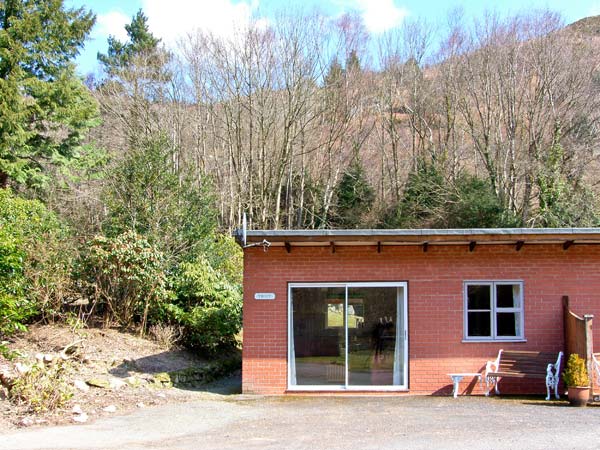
(474, 204)
(208, 306)
(575, 374)
(44, 387)
(126, 273)
(35, 261)
(173, 210)
(15, 308)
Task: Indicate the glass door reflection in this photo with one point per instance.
(348, 336)
(373, 334)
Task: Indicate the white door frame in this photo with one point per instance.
(401, 298)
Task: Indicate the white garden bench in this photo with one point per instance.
(596, 370)
(524, 364)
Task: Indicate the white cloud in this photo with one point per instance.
(111, 24)
(169, 20)
(378, 15)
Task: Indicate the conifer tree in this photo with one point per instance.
(44, 107)
(355, 197)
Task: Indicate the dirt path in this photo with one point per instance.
(235, 422)
(129, 365)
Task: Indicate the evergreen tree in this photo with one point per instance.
(173, 211)
(563, 202)
(137, 75)
(141, 42)
(355, 197)
(422, 202)
(474, 204)
(44, 107)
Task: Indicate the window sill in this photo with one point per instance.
(491, 341)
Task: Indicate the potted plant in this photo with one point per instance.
(577, 380)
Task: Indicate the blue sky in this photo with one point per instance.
(169, 19)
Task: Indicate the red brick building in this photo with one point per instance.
(398, 310)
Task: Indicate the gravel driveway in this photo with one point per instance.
(247, 422)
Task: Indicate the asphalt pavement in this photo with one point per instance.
(405, 422)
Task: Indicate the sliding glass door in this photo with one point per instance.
(347, 336)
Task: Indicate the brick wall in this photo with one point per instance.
(435, 303)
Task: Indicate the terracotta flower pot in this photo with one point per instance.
(578, 396)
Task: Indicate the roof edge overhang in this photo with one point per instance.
(381, 237)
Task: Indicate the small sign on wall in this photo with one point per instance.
(264, 296)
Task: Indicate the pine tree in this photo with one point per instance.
(355, 197)
(137, 75)
(141, 42)
(44, 107)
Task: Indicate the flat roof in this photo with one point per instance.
(471, 236)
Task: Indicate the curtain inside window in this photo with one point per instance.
(292, 351)
(398, 357)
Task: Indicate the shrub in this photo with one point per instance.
(44, 387)
(35, 261)
(575, 374)
(208, 306)
(474, 204)
(165, 335)
(126, 273)
(173, 209)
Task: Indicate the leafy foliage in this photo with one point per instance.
(173, 211)
(562, 202)
(35, 261)
(474, 204)
(15, 309)
(575, 373)
(355, 197)
(422, 202)
(121, 54)
(127, 273)
(429, 201)
(44, 387)
(208, 306)
(44, 107)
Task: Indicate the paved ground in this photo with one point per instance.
(242, 422)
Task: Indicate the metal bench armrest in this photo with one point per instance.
(492, 366)
(596, 365)
(553, 376)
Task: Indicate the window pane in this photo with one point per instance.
(478, 296)
(479, 324)
(318, 344)
(508, 296)
(372, 349)
(507, 324)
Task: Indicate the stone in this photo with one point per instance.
(140, 405)
(22, 368)
(110, 409)
(99, 383)
(133, 381)
(77, 409)
(26, 422)
(162, 379)
(161, 395)
(81, 385)
(116, 383)
(81, 418)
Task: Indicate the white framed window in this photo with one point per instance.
(348, 336)
(493, 311)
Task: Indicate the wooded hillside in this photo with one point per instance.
(310, 123)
